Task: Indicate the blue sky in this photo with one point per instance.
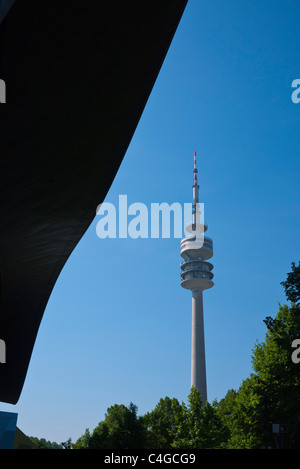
(117, 326)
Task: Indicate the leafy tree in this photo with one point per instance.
(225, 411)
(292, 285)
(279, 374)
(121, 429)
(246, 420)
(42, 443)
(82, 442)
(199, 425)
(160, 423)
(271, 394)
(67, 444)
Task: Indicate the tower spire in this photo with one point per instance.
(195, 193)
(195, 171)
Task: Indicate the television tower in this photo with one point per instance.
(196, 276)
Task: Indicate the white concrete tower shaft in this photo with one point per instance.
(196, 276)
(198, 366)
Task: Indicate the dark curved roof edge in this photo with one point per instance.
(78, 76)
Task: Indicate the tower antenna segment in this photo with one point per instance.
(195, 170)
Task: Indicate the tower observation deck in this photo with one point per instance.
(196, 276)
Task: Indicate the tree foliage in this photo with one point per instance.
(271, 394)
(42, 443)
(199, 426)
(169, 425)
(292, 284)
(241, 420)
(121, 429)
(161, 422)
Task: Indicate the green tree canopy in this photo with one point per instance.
(292, 284)
(199, 425)
(160, 423)
(270, 394)
(121, 429)
(42, 443)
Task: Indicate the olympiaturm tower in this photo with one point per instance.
(196, 276)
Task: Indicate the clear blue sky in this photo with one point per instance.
(117, 326)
